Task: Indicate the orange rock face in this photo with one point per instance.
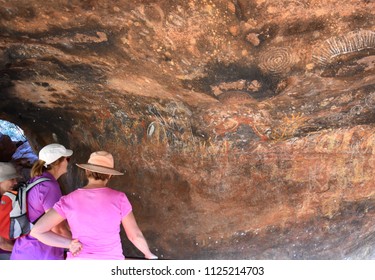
(246, 127)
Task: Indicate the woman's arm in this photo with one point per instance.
(135, 235)
(43, 231)
(62, 229)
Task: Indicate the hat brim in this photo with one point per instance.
(99, 169)
(68, 153)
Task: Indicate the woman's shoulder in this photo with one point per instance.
(44, 184)
(115, 193)
(112, 192)
(71, 196)
(97, 190)
(44, 178)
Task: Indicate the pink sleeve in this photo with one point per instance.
(59, 207)
(126, 207)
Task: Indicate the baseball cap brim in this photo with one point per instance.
(68, 153)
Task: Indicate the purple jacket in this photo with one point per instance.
(40, 198)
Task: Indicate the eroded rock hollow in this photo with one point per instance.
(246, 128)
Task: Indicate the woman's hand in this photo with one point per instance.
(151, 256)
(75, 247)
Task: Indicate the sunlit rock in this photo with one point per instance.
(246, 128)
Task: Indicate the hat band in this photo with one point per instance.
(99, 165)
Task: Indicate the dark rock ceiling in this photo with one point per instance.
(246, 127)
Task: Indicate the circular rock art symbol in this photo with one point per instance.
(276, 61)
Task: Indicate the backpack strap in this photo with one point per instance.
(22, 197)
(40, 180)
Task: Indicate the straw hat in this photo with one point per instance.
(100, 162)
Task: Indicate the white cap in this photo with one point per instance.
(53, 152)
(7, 171)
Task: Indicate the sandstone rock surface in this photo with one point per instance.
(246, 127)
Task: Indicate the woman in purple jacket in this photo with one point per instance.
(52, 163)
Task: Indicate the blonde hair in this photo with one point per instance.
(39, 167)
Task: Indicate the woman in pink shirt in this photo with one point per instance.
(95, 214)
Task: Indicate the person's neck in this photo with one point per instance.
(55, 173)
(94, 184)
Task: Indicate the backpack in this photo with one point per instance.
(14, 221)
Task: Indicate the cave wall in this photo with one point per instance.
(246, 128)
